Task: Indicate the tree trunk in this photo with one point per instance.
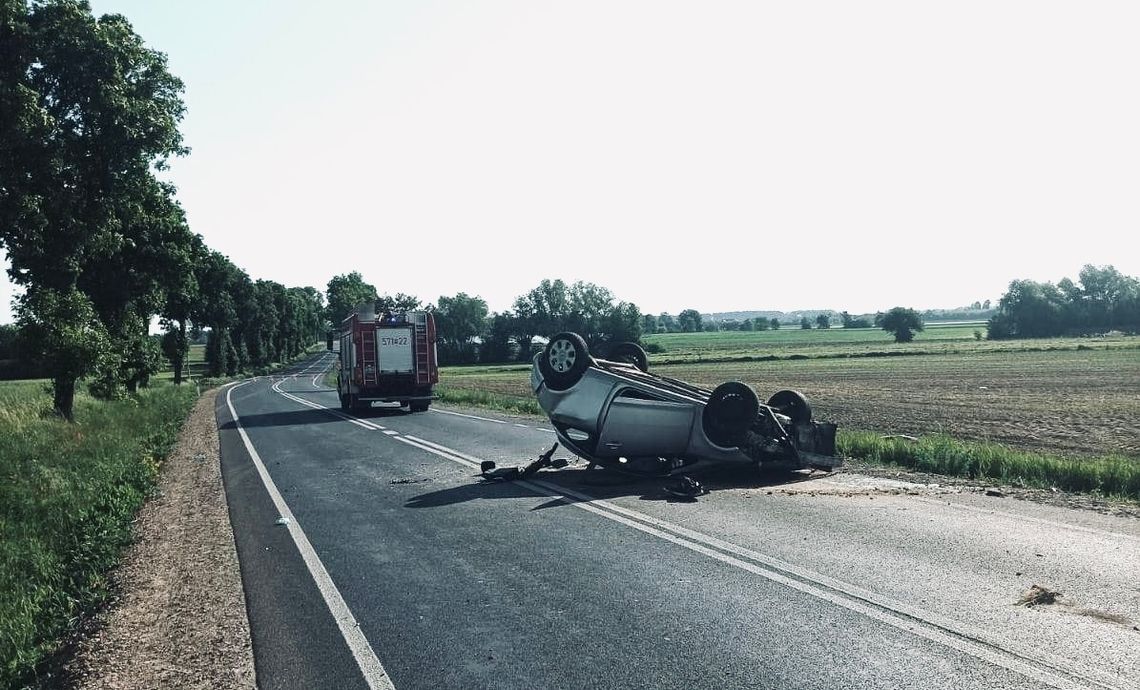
(64, 398)
(180, 359)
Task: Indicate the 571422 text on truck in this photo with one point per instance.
(387, 358)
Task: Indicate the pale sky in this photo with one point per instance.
(714, 155)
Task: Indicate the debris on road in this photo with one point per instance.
(491, 473)
(686, 489)
(1038, 595)
(995, 493)
(282, 521)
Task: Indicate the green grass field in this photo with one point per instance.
(68, 495)
(794, 343)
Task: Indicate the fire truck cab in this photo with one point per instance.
(387, 358)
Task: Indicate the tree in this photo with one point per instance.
(66, 335)
(761, 324)
(648, 323)
(585, 308)
(823, 321)
(689, 321)
(623, 323)
(1029, 310)
(666, 323)
(90, 112)
(344, 293)
(805, 323)
(852, 322)
(183, 297)
(496, 345)
(397, 305)
(903, 323)
(458, 321)
(775, 323)
(746, 325)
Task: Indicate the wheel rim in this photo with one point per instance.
(562, 356)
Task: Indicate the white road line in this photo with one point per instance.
(442, 454)
(895, 614)
(370, 666)
(317, 406)
(522, 426)
(469, 416)
(392, 433)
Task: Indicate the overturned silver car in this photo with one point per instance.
(614, 413)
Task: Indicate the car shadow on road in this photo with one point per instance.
(480, 489)
(603, 484)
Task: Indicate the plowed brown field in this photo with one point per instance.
(1078, 402)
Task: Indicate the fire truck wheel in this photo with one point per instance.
(420, 405)
(564, 361)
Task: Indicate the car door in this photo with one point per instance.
(636, 425)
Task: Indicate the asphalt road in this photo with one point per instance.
(397, 567)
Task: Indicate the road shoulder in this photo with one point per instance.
(178, 618)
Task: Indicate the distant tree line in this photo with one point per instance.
(467, 332)
(1103, 299)
(98, 242)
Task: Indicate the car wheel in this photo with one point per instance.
(793, 404)
(630, 353)
(564, 361)
(730, 411)
(420, 405)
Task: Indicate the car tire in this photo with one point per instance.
(420, 405)
(630, 353)
(564, 360)
(792, 404)
(729, 413)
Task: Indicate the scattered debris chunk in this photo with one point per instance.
(686, 489)
(905, 437)
(1038, 595)
(410, 480)
(490, 472)
(282, 521)
(994, 492)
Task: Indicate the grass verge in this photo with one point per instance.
(938, 454)
(486, 399)
(68, 495)
(1107, 475)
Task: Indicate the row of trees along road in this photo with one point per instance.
(98, 242)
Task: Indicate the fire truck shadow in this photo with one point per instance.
(371, 412)
(290, 418)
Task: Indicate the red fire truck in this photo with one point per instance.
(387, 358)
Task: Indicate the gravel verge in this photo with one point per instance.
(178, 617)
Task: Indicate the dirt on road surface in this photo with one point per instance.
(178, 619)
